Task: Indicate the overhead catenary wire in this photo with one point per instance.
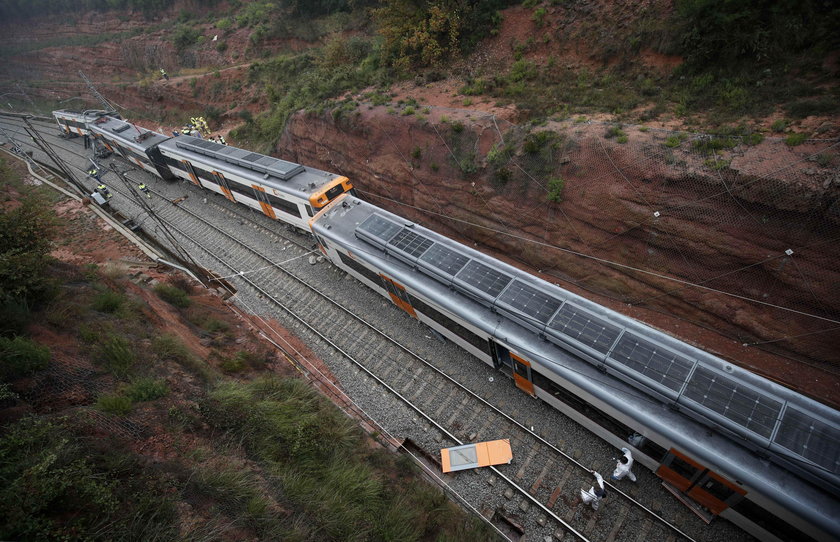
(603, 260)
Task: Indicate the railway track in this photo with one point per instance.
(537, 492)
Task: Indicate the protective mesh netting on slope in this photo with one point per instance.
(729, 232)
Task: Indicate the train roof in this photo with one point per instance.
(520, 309)
(87, 115)
(128, 134)
(268, 171)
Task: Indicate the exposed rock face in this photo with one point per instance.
(721, 220)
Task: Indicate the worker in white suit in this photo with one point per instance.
(593, 496)
(623, 466)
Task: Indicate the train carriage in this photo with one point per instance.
(135, 144)
(281, 190)
(75, 123)
(771, 462)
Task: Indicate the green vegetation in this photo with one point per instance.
(268, 455)
(26, 234)
(108, 301)
(309, 80)
(419, 35)
(146, 389)
(52, 484)
(796, 139)
(114, 403)
(555, 189)
(173, 295)
(185, 36)
(117, 355)
(21, 356)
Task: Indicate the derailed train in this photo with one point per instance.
(724, 440)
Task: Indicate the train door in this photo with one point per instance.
(706, 488)
(222, 182)
(191, 172)
(262, 197)
(398, 295)
(514, 366)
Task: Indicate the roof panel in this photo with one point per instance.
(410, 242)
(656, 362)
(254, 161)
(444, 259)
(484, 278)
(810, 438)
(529, 301)
(378, 229)
(737, 402)
(585, 328)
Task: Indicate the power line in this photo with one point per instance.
(603, 260)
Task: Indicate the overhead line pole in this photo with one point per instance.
(108, 107)
(39, 140)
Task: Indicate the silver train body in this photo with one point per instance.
(727, 441)
(735, 444)
(282, 190)
(75, 123)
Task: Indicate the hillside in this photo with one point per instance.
(665, 169)
(136, 405)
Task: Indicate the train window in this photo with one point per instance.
(309, 210)
(284, 205)
(521, 369)
(360, 269)
(614, 426)
(334, 191)
(683, 468)
(717, 489)
(456, 328)
(772, 523)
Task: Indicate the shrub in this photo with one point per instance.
(555, 189)
(779, 125)
(672, 141)
(108, 301)
(114, 403)
(539, 16)
(185, 36)
(146, 389)
(21, 356)
(614, 131)
(796, 139)
(173, 295)
(535, 141)
(26, 234)
(117, 354)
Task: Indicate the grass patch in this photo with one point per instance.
(170, 348)
(117, 355)
(796, 139)
(173, 295)
(329, 476)
(114, 403)
(146, 389)
(108, 301)
(21, 356)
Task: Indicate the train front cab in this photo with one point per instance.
(327, 193)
